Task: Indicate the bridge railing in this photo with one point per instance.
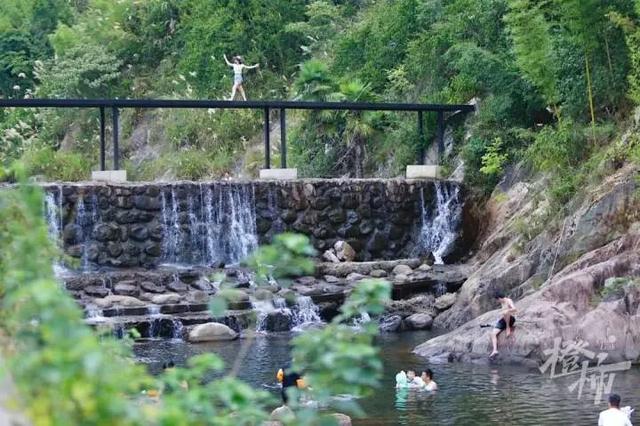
(266, 106)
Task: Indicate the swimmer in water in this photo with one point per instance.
(427, 379)
(289, 380)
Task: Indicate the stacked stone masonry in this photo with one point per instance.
(129, 225)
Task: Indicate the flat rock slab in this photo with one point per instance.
(365, 268)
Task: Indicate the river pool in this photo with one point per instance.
(468, 395)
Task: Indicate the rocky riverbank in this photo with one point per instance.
(169, 301)
(577, 279)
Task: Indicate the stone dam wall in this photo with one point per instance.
(216, 223)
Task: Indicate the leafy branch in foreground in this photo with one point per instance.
(66, 374)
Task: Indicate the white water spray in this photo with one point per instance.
(439, 229)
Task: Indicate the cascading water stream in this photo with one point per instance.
(53, 215)
(439, 228)
(305, 313)
(86, 218)
(154, 318)
(221, 224)
(177, 329)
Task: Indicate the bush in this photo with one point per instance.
(615, 288)
(56, 165)
(493, 160)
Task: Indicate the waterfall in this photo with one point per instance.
(440, 289)
(171, 224)
(94, 315)
(86, 218)
(263, 308)
(439, 228)
(53, 215)
(118, 330)
(361, 320)
(177, 329)
(305, 313)
(154, 319)
(277, 226)
(221, 224)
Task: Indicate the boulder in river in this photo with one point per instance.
(167, 298)
(391, 323)
(342, 419)
(378, 273)
(279, 320)
(282, 413)
(445, 301)
(111, 300)
(211, 332)
(419, 321)
(330, 256)
(402, 270)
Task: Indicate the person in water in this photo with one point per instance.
(238, 66)
(614, 416)
(427, 379)
(506, 321)
(289, 380)
(414, 381)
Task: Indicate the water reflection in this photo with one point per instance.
(468, 394)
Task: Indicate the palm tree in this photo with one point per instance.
(358, 127)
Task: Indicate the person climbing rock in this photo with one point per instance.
(506, 321)
(238, 66)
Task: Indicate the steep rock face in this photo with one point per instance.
(506, 261)
(566, 307)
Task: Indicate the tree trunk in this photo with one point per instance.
(358, 157)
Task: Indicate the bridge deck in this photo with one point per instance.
(265, 105)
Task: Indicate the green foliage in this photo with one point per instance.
(557, 149)
(55, 165)
(531, 35)
(86, 71)
(287, 256)
(493, 160)
(338, 359)
(615, 288)
(518, 56)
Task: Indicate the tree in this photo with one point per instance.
(535, 55)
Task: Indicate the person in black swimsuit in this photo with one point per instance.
(506, 321)
(288, 380)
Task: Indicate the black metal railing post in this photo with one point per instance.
(283, 138)
(421, 141)
(440, 136)
(103, 166)
(116, 151)
(267, 142)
